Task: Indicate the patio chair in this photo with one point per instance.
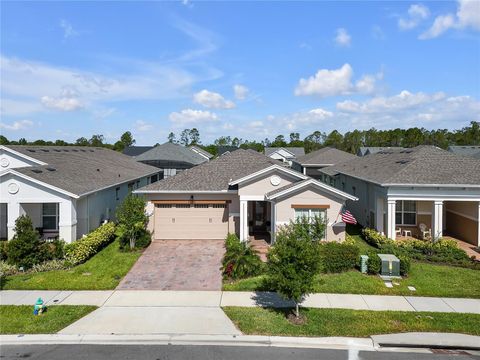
(425, 232)
(398, 231)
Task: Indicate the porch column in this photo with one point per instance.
(243, 220)
(391, 219)
(14, 210)
(272, 222)
(379, 215)
(67, 223)
(437, 223)
(478, 223)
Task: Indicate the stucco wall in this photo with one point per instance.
(284, 211)
(262, 185)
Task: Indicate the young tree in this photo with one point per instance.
(194, 136)
(293, 262)
(172, 138)
(82, 141)
(25, 249)
(185, 137)
(96, 140)
(127, 139)
(131, 219)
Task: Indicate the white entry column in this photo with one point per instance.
(14, 210)
(437, 223)
(379, 215)
(67, 223)
(272, 222)
(391, 208)
(478, 224)
(243, 220)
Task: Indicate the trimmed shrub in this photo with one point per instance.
(405, 264)
(83, 249)
(54, 249)
(26, 249)
(240, 260)
(6, 269)
(3, 250)
(374, 263)
(338, 257)
(372, 237)
(349, 240)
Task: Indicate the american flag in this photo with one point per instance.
(347, 217)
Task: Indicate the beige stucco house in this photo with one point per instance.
(402, 191)
(242, 192)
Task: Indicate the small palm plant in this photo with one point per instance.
(240, 260)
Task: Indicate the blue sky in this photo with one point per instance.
(246, 69)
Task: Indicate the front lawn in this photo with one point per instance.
(355, 323)
(101, 272)
(20, 319)
(428, 279)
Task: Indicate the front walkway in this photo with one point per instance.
(217, 299)
(177, 265)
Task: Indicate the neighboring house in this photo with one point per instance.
(135, 150)
(311, 163)
(201, 152)
(242, 192)
(284, 154)
(222, 149)
(467, 150)
(171, 158)
(367, 150)
(402, 189)
(67, 191)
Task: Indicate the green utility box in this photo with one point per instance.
(390, 265)
(363, 264)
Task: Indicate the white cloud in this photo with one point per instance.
(191, 117)
(467, 17)
(67, 101)
(17, 125)
(240, 91)
(342, 37)
(416, 14)
(141, 125)
(378, 33)
(320, 113)
(212, 100)
(335, 82)
(68, 30)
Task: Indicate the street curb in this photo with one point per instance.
(363, 344)
(427, 340)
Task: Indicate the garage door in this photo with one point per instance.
(191, 221)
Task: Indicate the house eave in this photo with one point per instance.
(265, 170)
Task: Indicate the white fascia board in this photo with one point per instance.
(266, 170)
(184, 192)
(435, 185)
(26, 177)
(280, 149)
(23, 156)
(323, 186)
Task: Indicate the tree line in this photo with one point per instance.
(350, 141)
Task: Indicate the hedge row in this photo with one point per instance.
(83, 249)
(338, 257)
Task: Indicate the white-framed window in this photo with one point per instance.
(406, 212)
(310, 214)
(50, 216)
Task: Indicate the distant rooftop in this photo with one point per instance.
(173, 153)
(466, 150)
(366, 150)
(325, 156)
(136, 150)
(296, 151)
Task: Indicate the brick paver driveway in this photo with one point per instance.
(177, 265)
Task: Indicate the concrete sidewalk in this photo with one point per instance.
(215, 299)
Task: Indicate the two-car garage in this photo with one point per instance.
(184, 220)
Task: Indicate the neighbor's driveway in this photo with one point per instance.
(177, 265)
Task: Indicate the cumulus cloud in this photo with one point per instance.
(68, 30)
(416, 14)
(212, 100)
(190, 117)
(342, 37)
(67, 101)
(467, 17)
(141, 125)
(17, 125)
(320, 113)
(240, 91)
(335, 82)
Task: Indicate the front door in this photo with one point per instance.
(259, 216)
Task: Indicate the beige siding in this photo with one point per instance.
(262, 185)
(284, 211)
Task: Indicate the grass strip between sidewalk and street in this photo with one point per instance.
(20, 319)
(354, 323)
(102, 272)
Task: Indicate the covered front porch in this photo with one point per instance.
(256, 219)
(50, 219)
(429, 219)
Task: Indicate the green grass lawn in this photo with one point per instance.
(20, 319)
(356, 323)
(102, 272)
(429, 280)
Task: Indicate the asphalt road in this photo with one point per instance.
(170, 352)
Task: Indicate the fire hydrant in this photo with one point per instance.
(39, 307)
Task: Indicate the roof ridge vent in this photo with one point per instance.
(50, 168)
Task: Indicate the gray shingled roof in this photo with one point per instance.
(366, 150)
(80, 170)
(425, 165)
(201, 151)
(466, 150)
(135, 150)
(216, 174)
(296, 151)
(171, 152)
(325, 156)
